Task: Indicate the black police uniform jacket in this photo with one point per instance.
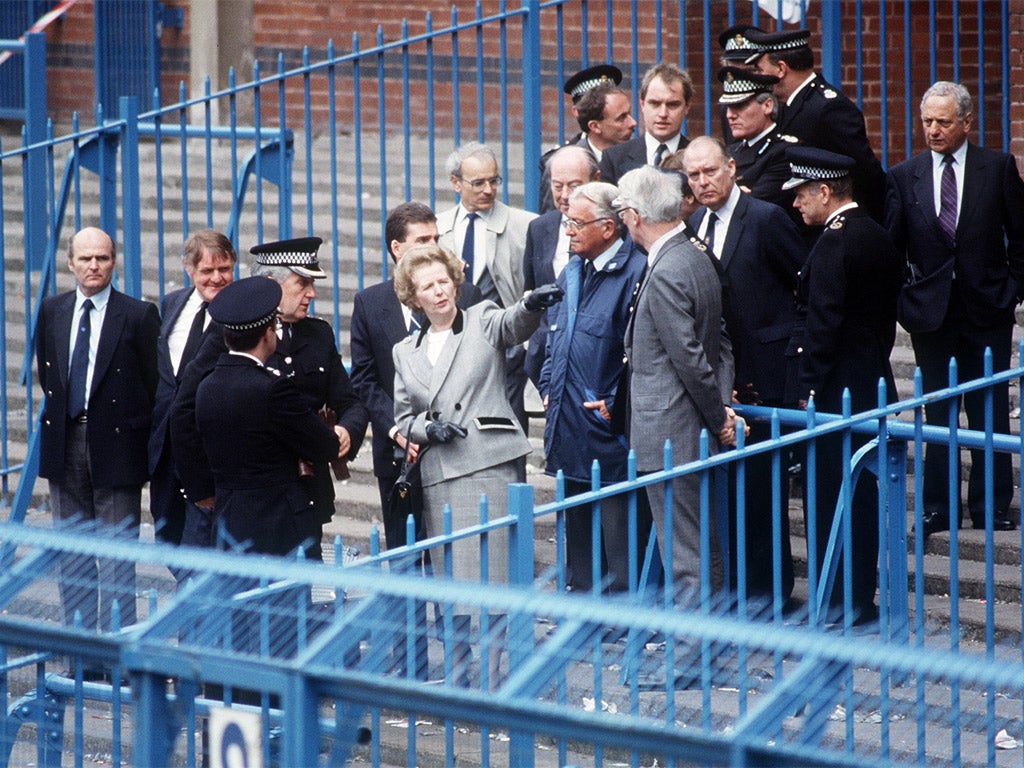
(255, 427)
(821, 116)
(310, 358)
(847, 293)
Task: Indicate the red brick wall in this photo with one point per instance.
(285, 26)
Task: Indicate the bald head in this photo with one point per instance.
(570, 167)
(91, 259)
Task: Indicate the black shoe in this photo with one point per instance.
(1000, 522)
(934, 522)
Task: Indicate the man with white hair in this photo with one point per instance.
(579, 381)
(680, 369)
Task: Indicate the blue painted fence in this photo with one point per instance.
(327, 656)
(156, 172)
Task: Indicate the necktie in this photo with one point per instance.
(659, 153)
(709, 233)
(587, 279)
(469, 245)
(415, 323)
(947, 205)
(195, 334)
(79, 364)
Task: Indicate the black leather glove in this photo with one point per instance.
(543, 297)
(444, 431)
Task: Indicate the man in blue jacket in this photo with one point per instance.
(579, 379)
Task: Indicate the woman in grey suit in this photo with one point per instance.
(450, 394)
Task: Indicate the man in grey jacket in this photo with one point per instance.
(680, 370)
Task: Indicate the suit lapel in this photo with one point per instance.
(392, 319)
(974, 180)
(734, 232)
(444, 363)
(924, 188)
(113, 325)
(63, 318)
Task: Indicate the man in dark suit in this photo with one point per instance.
(547, 243)
(256, 427)
(307, 353)
(679, 366)
(379, 321)
(96, 357)
(847, 293)
(816, 112)
(761, 253)
(210, 265)
(666, 92)
(954, 212)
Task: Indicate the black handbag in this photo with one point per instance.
(401, 500)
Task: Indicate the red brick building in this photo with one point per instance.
(240, 32)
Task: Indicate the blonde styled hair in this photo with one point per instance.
(420, 256)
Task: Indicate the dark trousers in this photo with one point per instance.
(760, 535)
(864, 520)
(958, 339)
(614, 544)
(90, 585)
(166, 504)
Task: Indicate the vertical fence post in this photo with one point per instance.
(520, 629)
(35, 133)
(131, 282)
(831, 43)
(531, 104)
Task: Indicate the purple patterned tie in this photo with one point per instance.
(947, 205)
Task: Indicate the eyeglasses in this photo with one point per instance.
(578, 225)
(494, 181)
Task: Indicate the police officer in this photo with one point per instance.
(847, 294)
(256, 426)
(307, 354)
(817, 112)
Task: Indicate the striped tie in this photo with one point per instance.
(947, 205)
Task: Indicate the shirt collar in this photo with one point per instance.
(602, 259)
(960, 156)
(657, 244)
(246, 354)
(724, 213)
(99, 300)
(842, 209)
(761, 135)
(482, 215)
(652, 144)
(804, 84)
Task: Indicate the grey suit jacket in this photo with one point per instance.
(466, 386)
(680, 358)
(506, 241)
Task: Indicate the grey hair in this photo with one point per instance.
(278, 273)
(453, 165)
(575, 150)
(959, 94)
(600, 194)
(654, 194)
(762, 97)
